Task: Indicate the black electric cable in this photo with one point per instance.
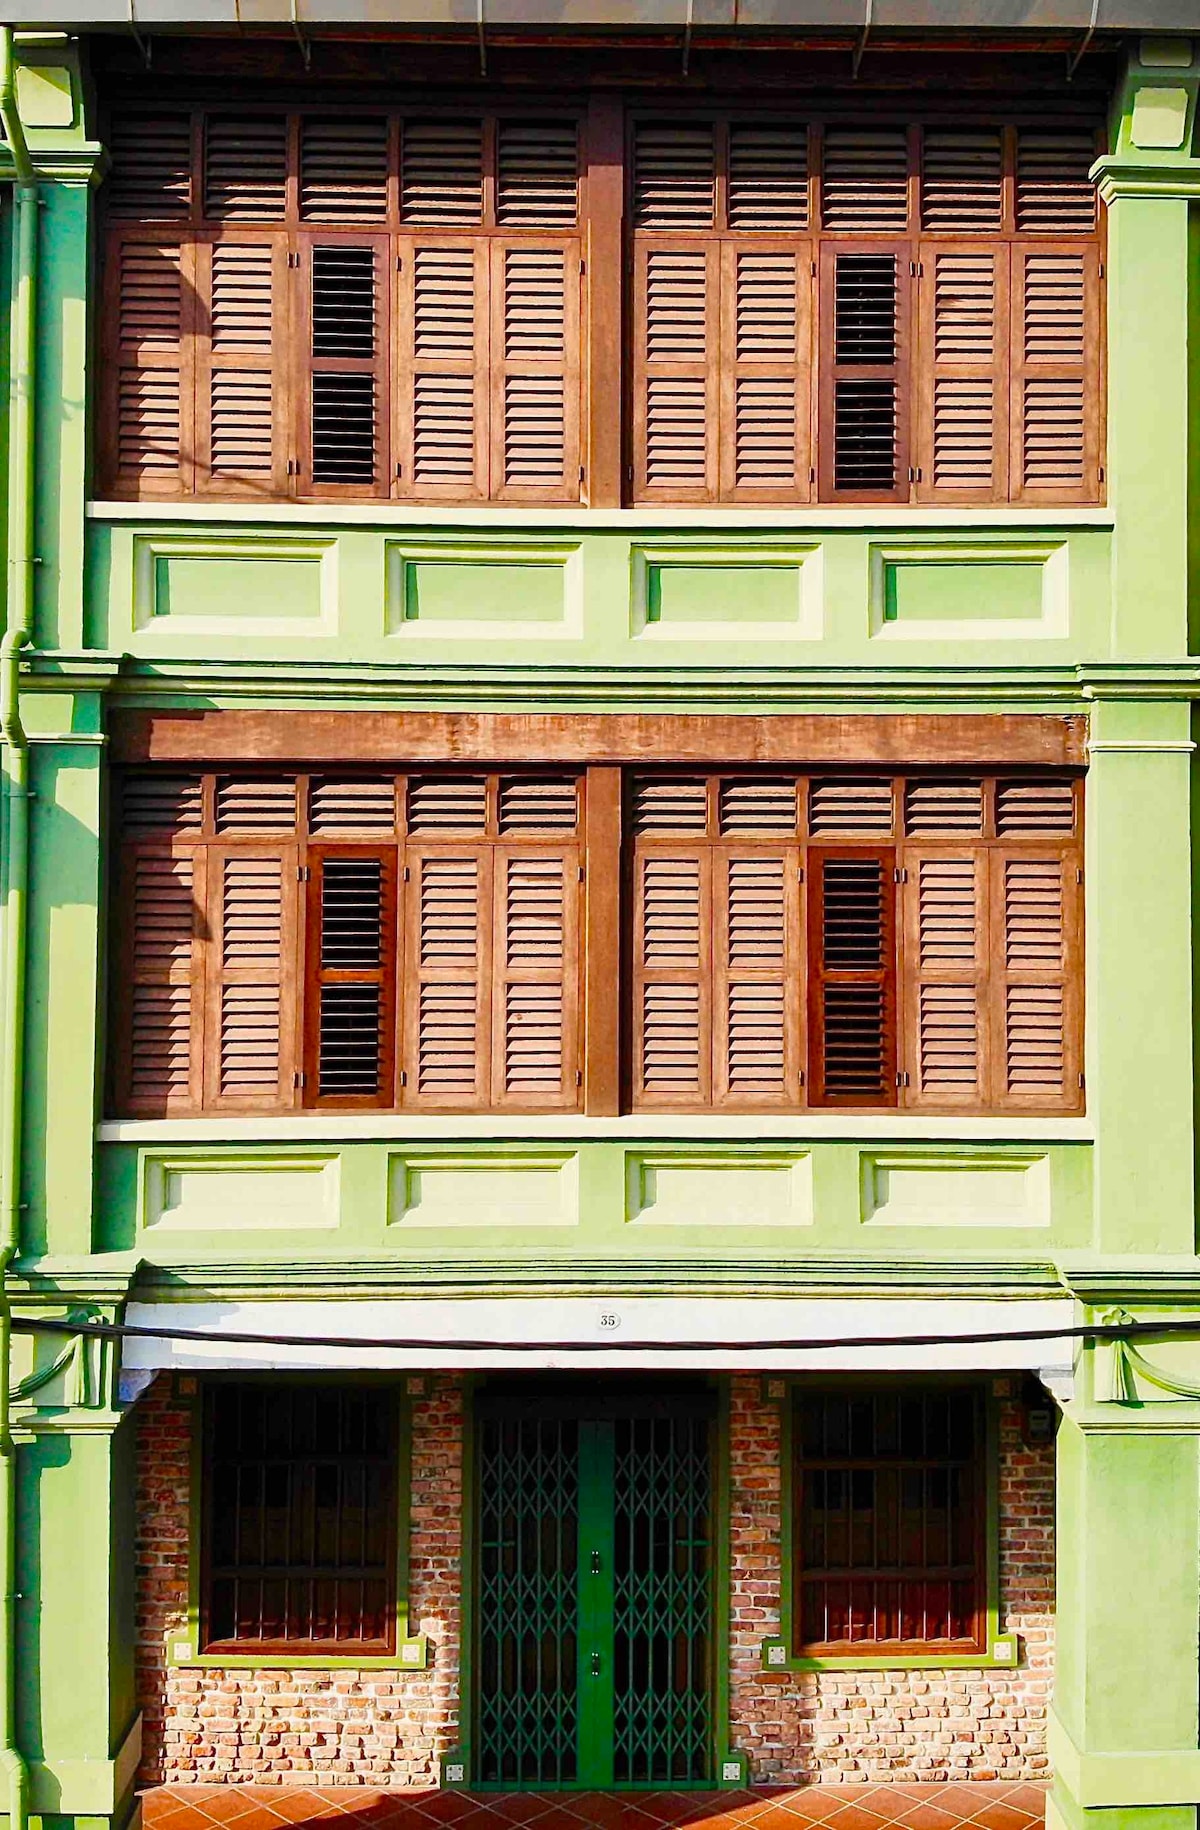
(117, 1331)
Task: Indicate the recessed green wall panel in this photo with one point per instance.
(452, 588)
(213, 585)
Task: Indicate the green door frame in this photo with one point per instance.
(596, 1606)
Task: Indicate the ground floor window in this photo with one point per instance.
(889, 1508)
(299, 1518)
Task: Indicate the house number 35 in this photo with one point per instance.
(609, 1319)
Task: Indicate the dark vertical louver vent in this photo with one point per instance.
(352, 953)
(854, 985)
(245, 168)
(344, 405)
(865, 404)
(343, 302)
(865, 309)
(344, 169)
(537, 181)
(674, 175)
(151, 177)
(442, 173)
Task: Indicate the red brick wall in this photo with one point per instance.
(372, 1727)
(329, 1727)
(888, 1725)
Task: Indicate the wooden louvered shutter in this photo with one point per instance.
(147, 432)
(241, 424)
(251, 979)
(443, 362)
(345, 434)
(158, 1002)
(535, 974)
(865, 292)
(1056, 373)
(961, 376)
(945, 955)
(447, 978)
(852, 991)
(344, 163)
(535, 370)
(676, 373)
(151, 175)
(1036, 947)
(672, 976)
(756, 976)
(351, 978)
(245, 167)
(766, 311)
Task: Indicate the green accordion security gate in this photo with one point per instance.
(593, 1588)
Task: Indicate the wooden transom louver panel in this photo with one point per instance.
(864, 179)
(151, 176)
(768, 179)
(1055, 195)
(441, 181)
(344, 169)
(537, 174)
(962, 181)
(245, 167)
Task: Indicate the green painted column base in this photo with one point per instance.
(1064, 1813)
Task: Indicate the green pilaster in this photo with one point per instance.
(1139, 975)
(78, 1721)
(64, 940)
(1124, 1723)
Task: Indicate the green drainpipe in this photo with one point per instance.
(17, 631)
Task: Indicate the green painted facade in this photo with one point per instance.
(837, 611)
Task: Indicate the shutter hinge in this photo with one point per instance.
(1100, 270)
(799, 873)
(399, 468)
(578, 1077)
(902, 1079)
(299, 1079)
(1082, 1081)
(1100, 472)
(629, 473)
(801, 1076)
(403, 1077)
(813, 265)
(582, 268)
(399, 263)
(303, 873)
(812, 473)
(581, 873)
(1078, 876)
(405, 875)
(899, 875)
(293, 259)
(914, 473)
(293, 467)
(582, 472)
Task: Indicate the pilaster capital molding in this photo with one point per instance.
(84, 164)
(1141, 746)
(1119, 177)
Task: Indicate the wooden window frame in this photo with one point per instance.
(237, 1650)
(983, 1650)
(601, 949)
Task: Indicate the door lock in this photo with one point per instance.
(595, 1664)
